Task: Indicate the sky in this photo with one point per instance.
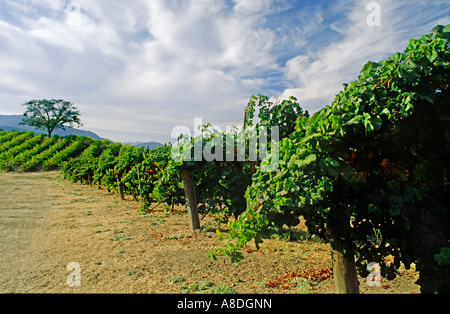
(137, 69)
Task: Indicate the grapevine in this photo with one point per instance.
(376, 157)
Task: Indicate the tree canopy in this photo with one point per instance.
(50, 115)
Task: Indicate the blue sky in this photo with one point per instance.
(138, 68)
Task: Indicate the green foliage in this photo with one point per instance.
(50, 114)
(10, 157)
(133, 171)
(36, 161)
(29, 152)
(282, 115)
(18, 139)
(23, 158)
(443, 258)
(144, 175)
(221, 183)
(73, 149)
(103, 174)
(369, 172)
(82, 167)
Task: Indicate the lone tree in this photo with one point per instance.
(51, 114)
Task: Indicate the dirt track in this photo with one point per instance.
(47, 223)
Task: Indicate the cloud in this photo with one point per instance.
(201, 60)
(138, 68)
(318, 74)
(142, 65)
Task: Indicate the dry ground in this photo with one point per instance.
(46, 223)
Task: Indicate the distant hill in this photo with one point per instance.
(149, 145)
(12, 123)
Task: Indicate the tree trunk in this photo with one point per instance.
(344, 272)
(191, 198)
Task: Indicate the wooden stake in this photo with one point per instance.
(344, 272)
(122, 197)
(191, 198)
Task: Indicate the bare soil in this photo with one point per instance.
(47, 222)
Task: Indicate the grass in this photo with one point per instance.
(205, 287)
(303, 286)
(90, 199)
(131, 272)
(156, 220)
(177, 279)
(121, 237)
(221, 290)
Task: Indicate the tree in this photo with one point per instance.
(51, 115)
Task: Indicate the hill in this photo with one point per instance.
(149, 145)
(12, 123)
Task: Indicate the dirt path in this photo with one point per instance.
(25, 202)
(47, 222)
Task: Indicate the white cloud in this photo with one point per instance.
(195, 64)
(318, 75)
(138, 68)
(126, 60)
(251, 6)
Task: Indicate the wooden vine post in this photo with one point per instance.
(119, 184)
(344, 272)
(191, 198)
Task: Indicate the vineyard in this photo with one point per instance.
(29, 152)
(367, 174)
(122, 168)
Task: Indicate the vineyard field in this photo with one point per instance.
(364, 178)
(34, 166)
(124, 169)
(28, 152)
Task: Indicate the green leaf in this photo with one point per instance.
(332, 162)
(376, 122)
(368, 125)
(443, 258)
(355, 120)
(332, 171)
(326, 146)
(305, 162)
(387, 112)
(370, 66)
(366, 66)
(427, 98)
(396, 58)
